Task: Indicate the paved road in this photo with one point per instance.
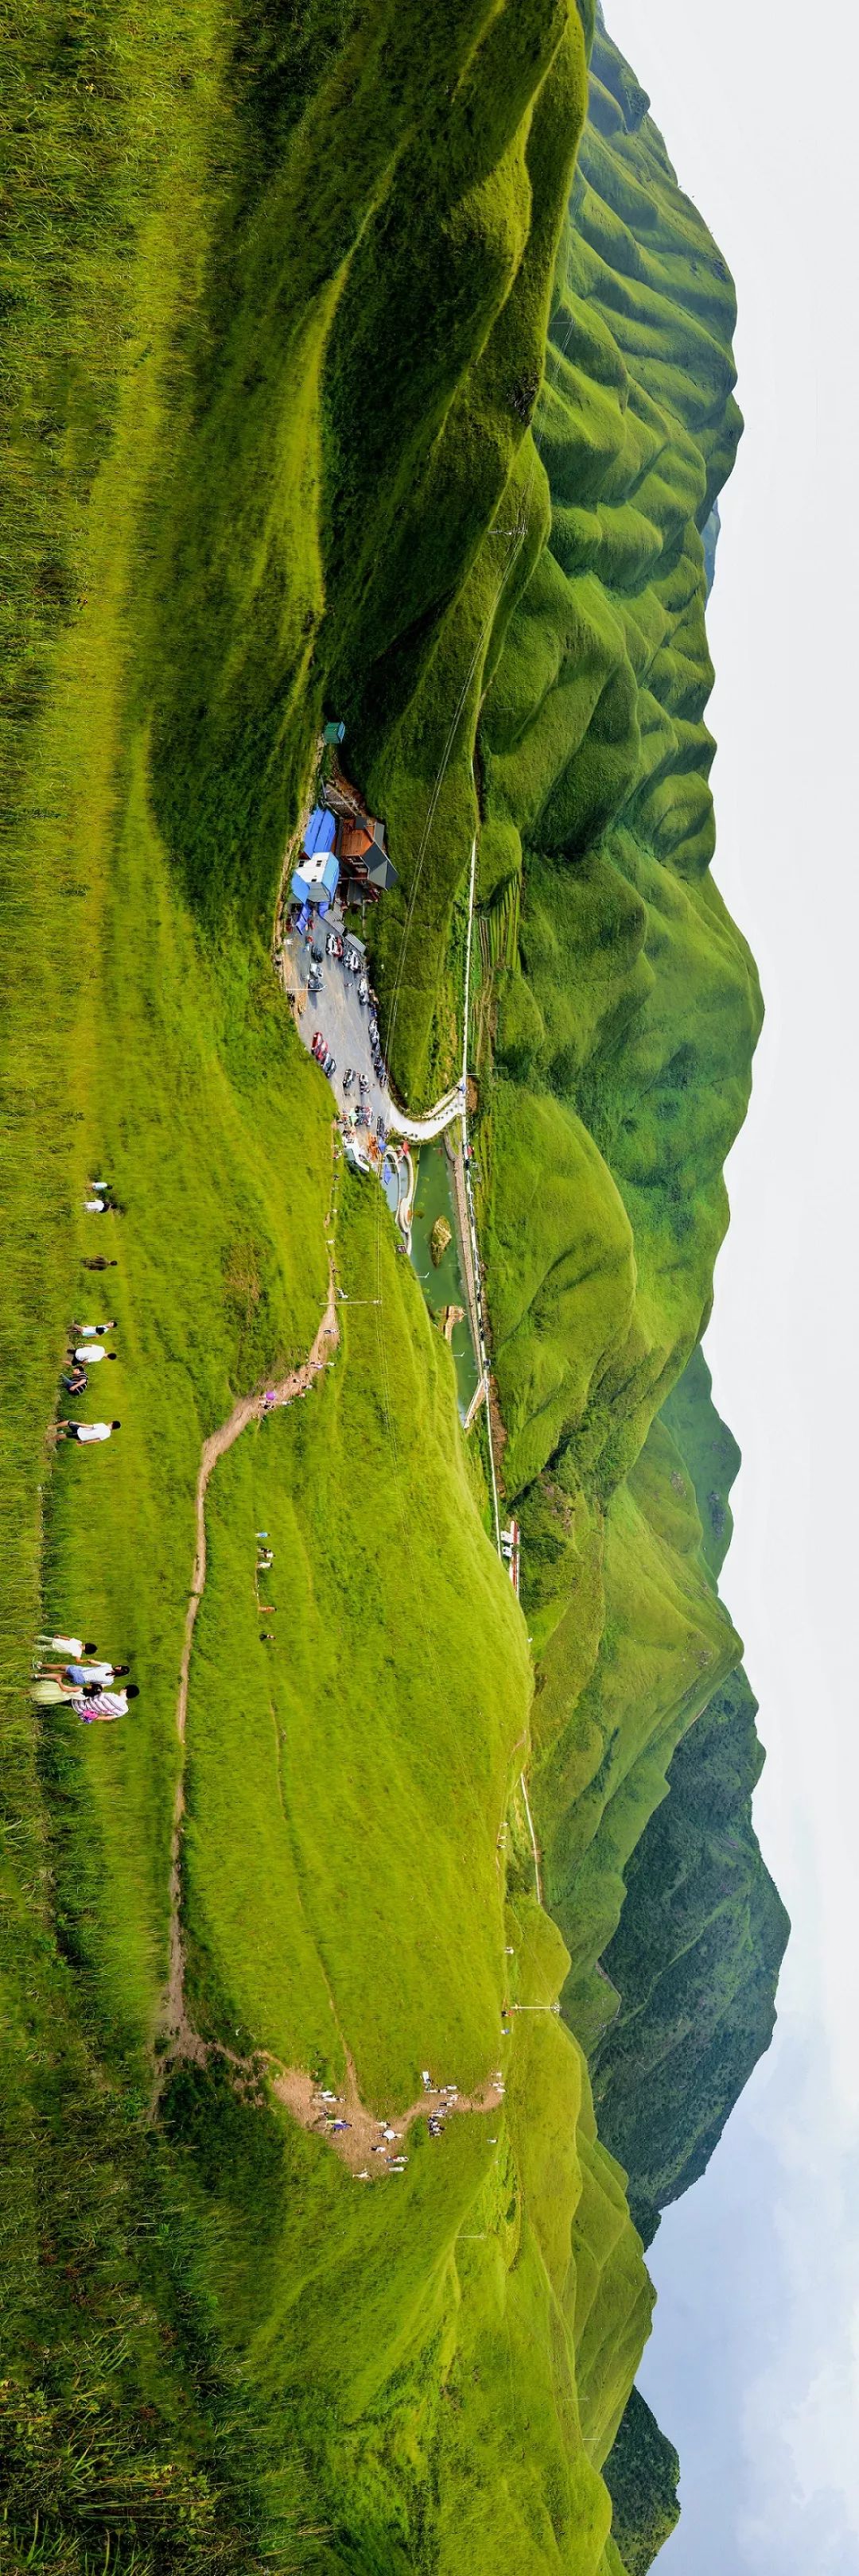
(337, 1012)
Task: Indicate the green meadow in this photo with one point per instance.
(375, 368)
(348, 1780)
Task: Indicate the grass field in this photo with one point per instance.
(367, 1752)
(426, 2357)
(276, 315)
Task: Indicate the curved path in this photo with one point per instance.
(181, 2038)
(420, 1131)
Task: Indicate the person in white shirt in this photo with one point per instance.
(90, 1331)
(102, 1199)
(71, 1647)
(91, 1352)
(76, 1675)
(86, 1430)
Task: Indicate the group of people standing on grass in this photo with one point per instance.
(88, 1351)
(79, 1679)
(80, 1683)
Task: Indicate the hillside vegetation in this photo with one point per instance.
(355, 365)
(700, 1942)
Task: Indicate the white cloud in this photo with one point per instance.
(754, 2365)
(800, 2408)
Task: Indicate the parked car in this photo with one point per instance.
(331, 1067)
(316, 953)
(349, 1077)
(363, 990)
(363, 1082)
(317, 1042)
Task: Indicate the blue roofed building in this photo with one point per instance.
(317, 875)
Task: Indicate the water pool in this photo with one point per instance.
(442, 1286)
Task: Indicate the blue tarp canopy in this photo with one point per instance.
(320, 831)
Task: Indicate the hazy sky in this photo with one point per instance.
(754, 2363)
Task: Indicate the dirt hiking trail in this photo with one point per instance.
(181, 2038)
(359, 2142)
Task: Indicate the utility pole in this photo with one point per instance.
(469, 1198)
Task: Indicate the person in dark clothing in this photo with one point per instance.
(100, 1263)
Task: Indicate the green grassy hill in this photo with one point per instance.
(322, 394)
(700, 1942)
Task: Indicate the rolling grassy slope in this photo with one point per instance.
(596, 755)
(276, 328)
(615, 1049)
(136, 2416)
(368, 1750)
(451, 2369)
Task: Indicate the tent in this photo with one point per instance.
(320, 832)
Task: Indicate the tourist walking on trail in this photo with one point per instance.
(86, 1431)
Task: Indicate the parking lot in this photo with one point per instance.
(334, 1010)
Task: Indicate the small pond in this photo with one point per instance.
(444, 1285)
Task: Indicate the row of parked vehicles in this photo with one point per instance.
(339, 945)
(351, 958)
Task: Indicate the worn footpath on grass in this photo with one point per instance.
(294, 2087)
(183, 2040)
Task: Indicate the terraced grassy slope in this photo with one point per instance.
(277, 314)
